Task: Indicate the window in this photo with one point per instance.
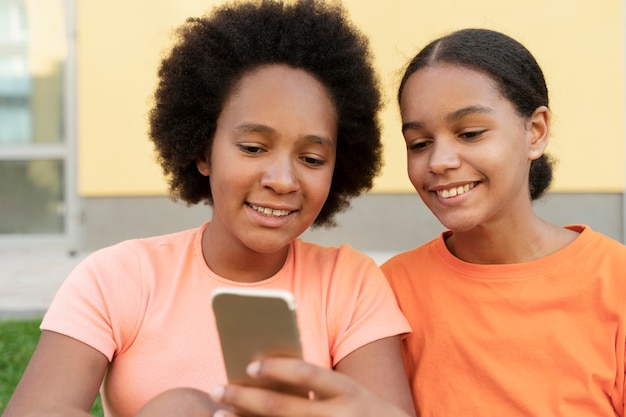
(37, 196)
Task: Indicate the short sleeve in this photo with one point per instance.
(365, 309)
(99, 302)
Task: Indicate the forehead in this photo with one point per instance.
(279, 84)
(449, 80)
(446, 88)
(268, 80)
(285, 100)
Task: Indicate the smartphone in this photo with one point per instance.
(252, 324)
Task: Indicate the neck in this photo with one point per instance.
(512, 243)
(238, 262)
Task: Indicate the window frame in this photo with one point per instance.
(66, 151)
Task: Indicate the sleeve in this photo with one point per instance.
(99, 302)
(364, 308)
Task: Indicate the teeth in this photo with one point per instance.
(270, 212)
(454, 191)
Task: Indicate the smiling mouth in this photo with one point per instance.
(454, 191)
(270, 212)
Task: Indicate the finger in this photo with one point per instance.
(325, 383)
(273, 384)
(262, 402)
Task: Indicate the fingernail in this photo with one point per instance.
(253, 368)
(220, 413)
(217, 394)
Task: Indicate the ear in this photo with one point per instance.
(539, 131)
(203, 165)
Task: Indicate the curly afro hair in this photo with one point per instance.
(212, 53)
(509, 64)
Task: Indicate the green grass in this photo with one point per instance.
(18, 339)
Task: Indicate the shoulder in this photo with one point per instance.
(332, 254)
(597, 242)
(335, 268)
(132, 262)
(411, 256)
(151, 247)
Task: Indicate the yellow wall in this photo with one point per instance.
(578, 43)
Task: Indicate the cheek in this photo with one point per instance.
(415, 171)
(316, 185)
(228, 178)
(324, 184)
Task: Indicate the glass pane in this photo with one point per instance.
(31, 197)
(12, 20)
(32, 54)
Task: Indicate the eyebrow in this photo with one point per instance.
(258, 128)
(451, 117)
(253, 127)
(465, 111)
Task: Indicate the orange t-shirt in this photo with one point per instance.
(145, 304)
(541, 338)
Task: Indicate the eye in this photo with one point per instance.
(250, 149)
(419, 145)
(472, 135)
(313, 161)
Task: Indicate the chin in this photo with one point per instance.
(457, 225)
(268, 246)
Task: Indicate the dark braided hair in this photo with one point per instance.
(512, 67)
(212, 53)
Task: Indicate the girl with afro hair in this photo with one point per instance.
(268, 112)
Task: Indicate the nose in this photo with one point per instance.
(444, 155)
(280, 175)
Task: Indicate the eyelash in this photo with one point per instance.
(416, 147)
(471, 135)
(250, 149)
(309, 160)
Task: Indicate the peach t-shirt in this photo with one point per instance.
(145, 304)
(544, 338)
